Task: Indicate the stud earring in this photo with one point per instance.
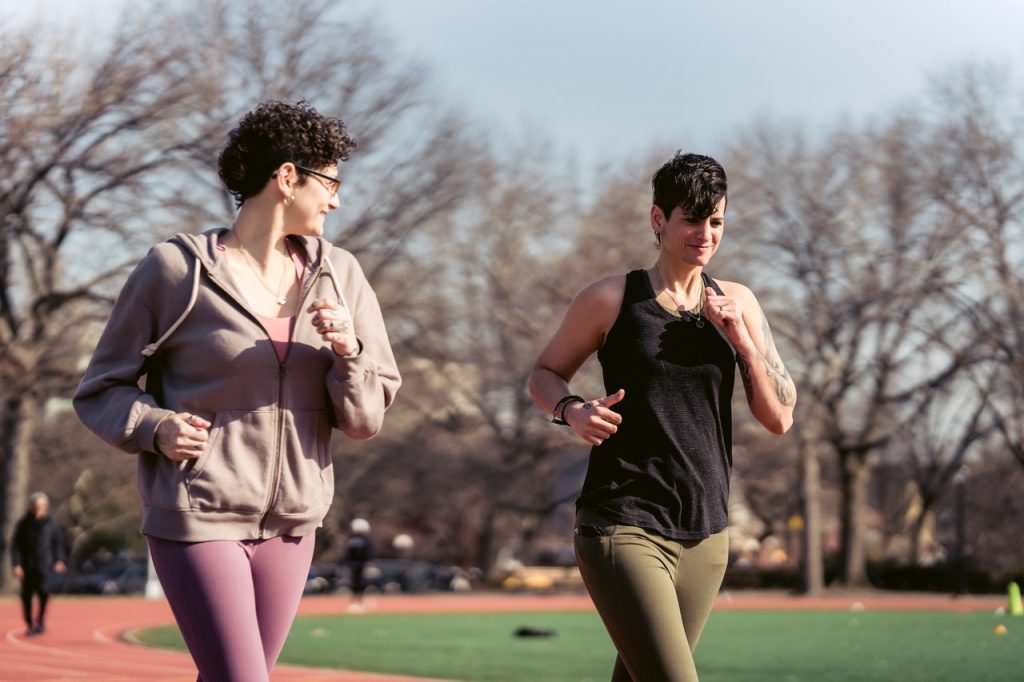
(289, 200)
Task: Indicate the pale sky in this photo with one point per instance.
(607, 78)
(610, 77)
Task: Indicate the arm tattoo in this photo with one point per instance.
(784, 389)
(748, 384)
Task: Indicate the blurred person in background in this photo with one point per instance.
(37, 552)
(651, 534)
(358, 553)
(255, 340)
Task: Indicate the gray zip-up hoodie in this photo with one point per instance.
(266, 469)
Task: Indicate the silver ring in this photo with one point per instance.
(190, 418)
(719, 310)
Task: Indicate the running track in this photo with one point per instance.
(85, 640)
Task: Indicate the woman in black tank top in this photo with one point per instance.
(652, 525)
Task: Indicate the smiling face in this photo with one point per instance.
(314, 199)
(691, 240)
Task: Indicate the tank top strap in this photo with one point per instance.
(638, 288)
(710, 282)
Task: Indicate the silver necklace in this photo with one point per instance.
(251, 262)
(695, 311)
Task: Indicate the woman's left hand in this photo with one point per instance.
(334, 323)
(726, 313)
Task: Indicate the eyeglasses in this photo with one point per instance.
(332, 185)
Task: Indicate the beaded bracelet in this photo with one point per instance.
(558, 413)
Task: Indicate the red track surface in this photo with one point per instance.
(84, 637)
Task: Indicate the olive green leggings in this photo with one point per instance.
(653, 594)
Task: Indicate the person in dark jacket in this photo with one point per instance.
(37, 552)
(358, 553)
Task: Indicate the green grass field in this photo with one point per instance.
(737, 646)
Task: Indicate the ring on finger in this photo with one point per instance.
(190, 418)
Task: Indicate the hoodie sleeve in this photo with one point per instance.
(364, 386)
(109, 400)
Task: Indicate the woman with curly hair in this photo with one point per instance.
(255, 341)
(652, 537)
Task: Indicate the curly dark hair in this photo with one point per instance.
(693, 182)
(277, 132)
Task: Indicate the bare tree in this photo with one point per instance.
(857, 246)
(935, 443)
(979, 181)
(499, 296)
(411, 167)
(84, 142)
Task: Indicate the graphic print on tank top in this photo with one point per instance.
(667, 468)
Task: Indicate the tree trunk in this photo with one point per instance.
(855, 471)
(485, 539)
(917, 528)
(915, 539)
(812, 560)
(528, 525)
(19, 419)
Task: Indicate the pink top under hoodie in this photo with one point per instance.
(278, 328)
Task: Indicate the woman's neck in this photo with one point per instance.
(259, 234)
(682, 280)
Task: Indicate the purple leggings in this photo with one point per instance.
(234, 600)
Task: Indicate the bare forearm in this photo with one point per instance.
(770, 390)
(547, 388)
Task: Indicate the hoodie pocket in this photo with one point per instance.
(161, 481)
(307, 477)
(234, 472)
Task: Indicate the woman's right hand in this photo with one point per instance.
(182, 436)
(593, 421)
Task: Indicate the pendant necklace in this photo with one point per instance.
(694, 312)
(251, 262)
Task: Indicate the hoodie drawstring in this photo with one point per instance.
(337, 287)
(152, 348)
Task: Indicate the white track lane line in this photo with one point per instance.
(20, 643)
(19, 670)
(110, 662)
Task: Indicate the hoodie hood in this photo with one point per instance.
(204, 247)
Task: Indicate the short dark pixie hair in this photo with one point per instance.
(692, 182)
(277, 132)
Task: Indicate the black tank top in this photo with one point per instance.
(667, 468)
